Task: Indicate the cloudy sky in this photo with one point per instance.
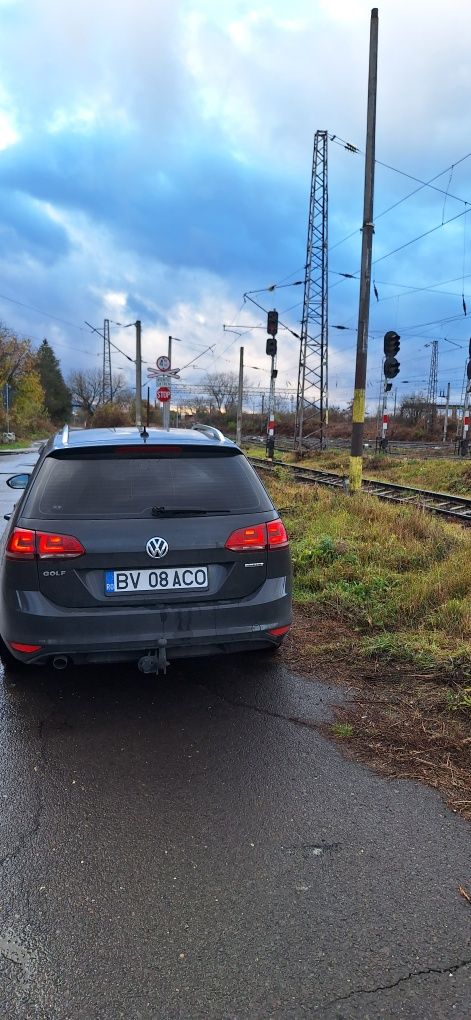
(155, 162)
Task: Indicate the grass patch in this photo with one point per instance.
(342, 730)
(439, 475)
(382, 603)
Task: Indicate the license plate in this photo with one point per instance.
(127, 582)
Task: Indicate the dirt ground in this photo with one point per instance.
(402, 724)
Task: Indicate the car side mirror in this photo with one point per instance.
(18, 481)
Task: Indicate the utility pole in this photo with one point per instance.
(358, 416)
(447, 409)
(240, 398)
(432, 385)
(271, 350)
(312, 394)
(463, 446)
(107, 385)
(138, 373)
(166, 407)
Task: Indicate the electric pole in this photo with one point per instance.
(312, 395)
(463, 446)
(138, 373)
(432, 386)
(447, 409)
(358, 416)
(107, 386)
(240, 398)
(271, 349)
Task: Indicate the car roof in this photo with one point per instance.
(204, 435)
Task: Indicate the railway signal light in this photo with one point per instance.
(391, 368)
(271, 346)
(391, 343)
(272, 322)
(391, 347)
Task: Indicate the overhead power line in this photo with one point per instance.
(403, 173)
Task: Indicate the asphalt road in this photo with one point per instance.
(191, 847)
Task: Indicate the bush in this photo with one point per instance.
(110, 416)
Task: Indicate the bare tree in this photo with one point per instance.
(222, 388)
(413, 409)
(86, 388)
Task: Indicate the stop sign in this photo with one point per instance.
(163, 394)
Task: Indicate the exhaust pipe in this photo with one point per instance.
(60, 662)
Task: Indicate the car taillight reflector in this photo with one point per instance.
(254, 537)
(24, 544)
(278, 631)
(58, 545)
(21, 544)
(24, 648)
(277, 537)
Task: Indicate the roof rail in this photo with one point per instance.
(210, 431)
(65, 435)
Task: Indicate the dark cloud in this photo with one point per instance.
(194, 206)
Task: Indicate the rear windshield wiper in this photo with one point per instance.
(187, 511)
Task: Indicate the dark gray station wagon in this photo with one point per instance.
(145, 546)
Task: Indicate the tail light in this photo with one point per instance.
(259, 536)
(58, 545)
(277, 536)
(248, 538)
(29, 545)
(21, 545)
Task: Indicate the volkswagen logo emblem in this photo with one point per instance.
(157, 547)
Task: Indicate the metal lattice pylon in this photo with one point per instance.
(312, 396)
(432, 386)
(107, 388)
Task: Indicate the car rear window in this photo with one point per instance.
(125, 483)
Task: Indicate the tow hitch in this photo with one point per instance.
(155, 661)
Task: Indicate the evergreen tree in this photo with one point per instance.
(57, 396)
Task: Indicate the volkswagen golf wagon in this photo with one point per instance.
(144, 545)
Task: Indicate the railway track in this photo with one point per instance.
(457, 508)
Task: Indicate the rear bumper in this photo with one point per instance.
(114, 634)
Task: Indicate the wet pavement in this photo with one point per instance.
(191, 847)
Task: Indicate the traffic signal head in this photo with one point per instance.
(391, 368)
(272, 322)
(391, 343)
(271, 346)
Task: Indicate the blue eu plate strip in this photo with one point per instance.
(109, 581)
